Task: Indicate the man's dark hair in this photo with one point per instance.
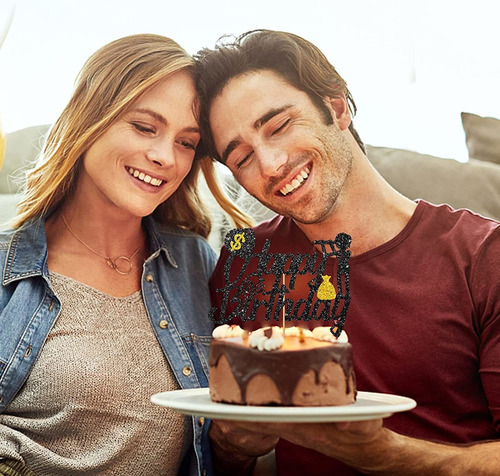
(295, 59)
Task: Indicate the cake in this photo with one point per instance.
(302, 368)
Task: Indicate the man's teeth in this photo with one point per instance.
(296, 182)
(145, 178)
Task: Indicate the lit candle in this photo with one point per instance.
(284, 320)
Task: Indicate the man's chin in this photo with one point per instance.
(302, 215)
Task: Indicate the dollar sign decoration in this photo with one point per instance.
(238, 238)
(326, 290)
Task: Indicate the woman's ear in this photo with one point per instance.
(340, 111)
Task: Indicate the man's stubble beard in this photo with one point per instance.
(314, 208)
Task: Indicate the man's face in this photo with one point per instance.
(275, 141)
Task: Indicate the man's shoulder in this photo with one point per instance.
(459, 221)
(459, 231)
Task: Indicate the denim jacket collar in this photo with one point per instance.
(27, 253)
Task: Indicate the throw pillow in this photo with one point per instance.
(482, 135)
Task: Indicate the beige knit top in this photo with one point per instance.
(85, 408)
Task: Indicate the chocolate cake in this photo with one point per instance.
(303, 368)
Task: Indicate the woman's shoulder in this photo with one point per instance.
(175, 233)
(177, 238)
(6, 238)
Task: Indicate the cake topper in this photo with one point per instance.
(249, 283)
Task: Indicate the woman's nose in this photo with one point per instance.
(162, 153)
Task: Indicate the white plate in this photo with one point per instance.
(368, 406)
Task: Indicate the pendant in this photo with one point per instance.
(127, 264)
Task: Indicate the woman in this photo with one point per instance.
(104, 297)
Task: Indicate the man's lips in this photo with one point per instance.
(296, 181)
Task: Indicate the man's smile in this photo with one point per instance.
(296, 182)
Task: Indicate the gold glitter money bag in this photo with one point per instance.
(326, 290)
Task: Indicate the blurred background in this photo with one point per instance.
(412, 66)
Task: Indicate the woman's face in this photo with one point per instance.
(144, 156)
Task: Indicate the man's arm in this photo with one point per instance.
(375, 450)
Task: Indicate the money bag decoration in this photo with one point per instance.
(326, 290)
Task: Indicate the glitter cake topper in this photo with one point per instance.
(247, 291)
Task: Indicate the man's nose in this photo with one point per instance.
(271, 161)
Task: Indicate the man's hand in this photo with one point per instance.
(373, 449)
(235, 447)
(348, 441)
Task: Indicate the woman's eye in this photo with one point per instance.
(187, 145)
(142, 128)
(281, 127)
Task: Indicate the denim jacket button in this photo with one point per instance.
(51, 305)
(186, 371)
(149, 278)
(28, 351)
(201, 421)
(163, 324)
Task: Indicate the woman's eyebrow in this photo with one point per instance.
(152, 113)
(162, 120)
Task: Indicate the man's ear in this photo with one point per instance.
(340, 111)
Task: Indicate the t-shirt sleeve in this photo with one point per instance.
(485, 288)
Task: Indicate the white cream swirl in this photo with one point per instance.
(295, 331)
(226, 331)
(259, 340)
(324, 333)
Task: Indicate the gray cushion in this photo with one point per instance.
(482, 135)
(474, 184)
(8, 202)
(22, 149)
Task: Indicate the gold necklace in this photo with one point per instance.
(112, 263)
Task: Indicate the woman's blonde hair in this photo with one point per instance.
(111, 80)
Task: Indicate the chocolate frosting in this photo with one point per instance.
(246, 362)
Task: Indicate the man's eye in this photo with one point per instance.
(281, 127)
(242, 162)
(142, 128)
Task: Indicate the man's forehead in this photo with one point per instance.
(258, 82)
(254, 93)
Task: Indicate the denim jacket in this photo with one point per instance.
(176, 297)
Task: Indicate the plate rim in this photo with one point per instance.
(177, 400)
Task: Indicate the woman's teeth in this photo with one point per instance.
(296, 182)
(145, 178)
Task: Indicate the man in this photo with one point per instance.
(424, 319)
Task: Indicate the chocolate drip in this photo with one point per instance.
(247, 362)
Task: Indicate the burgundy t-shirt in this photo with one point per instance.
(424, 322)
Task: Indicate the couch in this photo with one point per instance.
(474, 184)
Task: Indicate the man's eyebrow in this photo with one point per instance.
(269, 115)
(230, 147)
(162, 120)
(257, 125)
